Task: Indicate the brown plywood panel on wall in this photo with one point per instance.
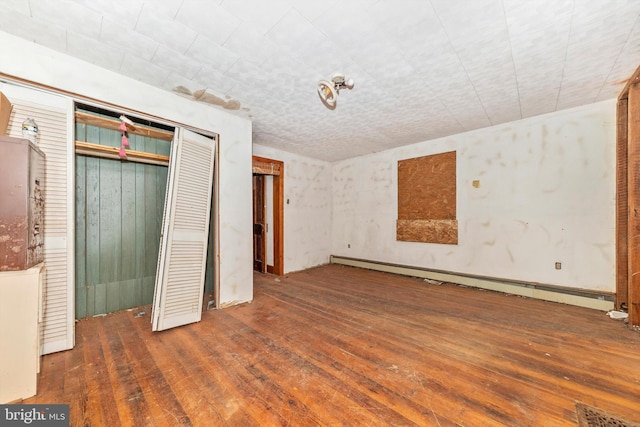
(427, 187)
(444, 231)
(634, 204)
(622, 205)
(427, 199)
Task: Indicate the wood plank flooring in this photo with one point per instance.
(336, 345)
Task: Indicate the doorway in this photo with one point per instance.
(268, 215)
(260, 224)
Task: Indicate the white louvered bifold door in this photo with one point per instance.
(185, 229)
(54, 116)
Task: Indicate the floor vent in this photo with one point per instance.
(588, 416)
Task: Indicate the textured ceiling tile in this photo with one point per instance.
(383, 61)
(94, 51)
(469, 118)
(422, 69)
(67, 13)
(459, 97)
(124, 12)
(441, 69)
(293, 29)
(166, 8)
(594, 46)
(498, 93)
(367, 93)
(538, 96)
(462, 19)
(411, 90)
(171, 60)
(143, 71)
(263, 15)
(531, 23)
(430, 51)
(400, 19)
(127, 40)
(20, 6)
(290, 75)
(208, 19)
(588, 78)
(210, 77)
(352, 35)
(539, 35)
(314, 9)
(245, 71)
(156, 25)
(481, 41)
(572, 94)
(627, 60)
(296, 35)
(37, 30)
(250, 44)
(211, 54)
(181, 85)
(252, 86)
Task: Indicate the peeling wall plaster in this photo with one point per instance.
(202, 95)
(530, 193)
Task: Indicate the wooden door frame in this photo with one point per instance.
(628, 199)
(275, 168)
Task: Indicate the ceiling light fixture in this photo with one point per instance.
(328, 90)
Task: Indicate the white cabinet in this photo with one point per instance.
(20, 321)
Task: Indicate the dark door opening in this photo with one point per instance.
(268, 215)
(259, 224)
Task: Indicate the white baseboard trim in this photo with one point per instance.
(578, 297)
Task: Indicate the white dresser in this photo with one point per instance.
(20, 321)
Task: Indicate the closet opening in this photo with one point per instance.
(122, 179)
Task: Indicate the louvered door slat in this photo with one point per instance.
(183, 250)
(51, 113)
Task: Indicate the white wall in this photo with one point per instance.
(307, 208)
(36, 63)
(546, 194)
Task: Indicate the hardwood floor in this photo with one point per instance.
(337, 345)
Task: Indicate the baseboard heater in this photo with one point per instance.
(574, 296)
